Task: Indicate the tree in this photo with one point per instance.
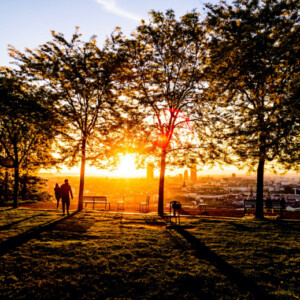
(254, 74)
(26, 135)
(163, 79)
(81, 76)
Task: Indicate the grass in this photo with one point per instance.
(101, 255)
(14, 222)
(266, 251)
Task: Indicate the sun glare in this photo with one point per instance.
(127, 167)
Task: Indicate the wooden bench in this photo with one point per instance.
(144, 206)
(273, 204)
(121, 204)
(202, 207)
(96, 200)
(175, 207)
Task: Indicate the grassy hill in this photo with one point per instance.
(103, 255)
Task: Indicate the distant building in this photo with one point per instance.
(150, 172)
(193, 171)
(186, 175)
(277, 188)
(180, 178)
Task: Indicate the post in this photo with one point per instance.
(82, 171)
(161, 183)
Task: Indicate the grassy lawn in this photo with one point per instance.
(17, 221)
(265, 251)
(100, 255)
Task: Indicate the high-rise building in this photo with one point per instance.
(180, 178)
(150, 172)
(193, 171)
(186, 175)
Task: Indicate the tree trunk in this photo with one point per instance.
(6, 186)
(24, 188)
(260, 189)
(82, 171)
(16, 187)
(161, 183)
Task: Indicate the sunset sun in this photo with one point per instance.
(127, 167)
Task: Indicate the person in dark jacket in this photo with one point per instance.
(66, 191)
(57, 194)
(282, 205)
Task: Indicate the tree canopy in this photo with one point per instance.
(254, 74)
(163, 79)
(26, 135)
(81, 76)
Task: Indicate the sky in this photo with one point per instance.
(27, 23)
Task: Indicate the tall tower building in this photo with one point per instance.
(193, 171)
(150, 172)
(186, 175)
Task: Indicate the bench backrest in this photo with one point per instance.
(147, 199)
(276, 204)
(252, 203)
(95, 198)
(100, 198)
(88, 198)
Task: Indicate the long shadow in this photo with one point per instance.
(283, 224)
(78, 225)
(154, 220)
(241, 226)
(204, 252)
(7, 226)
(32, 233)
(11, 208)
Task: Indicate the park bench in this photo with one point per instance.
(272, 205)
(202, 207)
(121, 204)
(144, 206)
(96, 200)
(175, 207)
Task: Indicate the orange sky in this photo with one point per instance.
(127, 168)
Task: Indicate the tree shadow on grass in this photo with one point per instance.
(286, 225)
(7, 226)
(80, 224)
(4, 210)
(242, 227)
(15, 241)
(235, 275)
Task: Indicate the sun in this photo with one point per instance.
(127, 167)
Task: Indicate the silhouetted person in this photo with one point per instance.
(57, 192)
(268, 202)
(65, 195)
(282, 205)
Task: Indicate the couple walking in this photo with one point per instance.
(63, 192)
